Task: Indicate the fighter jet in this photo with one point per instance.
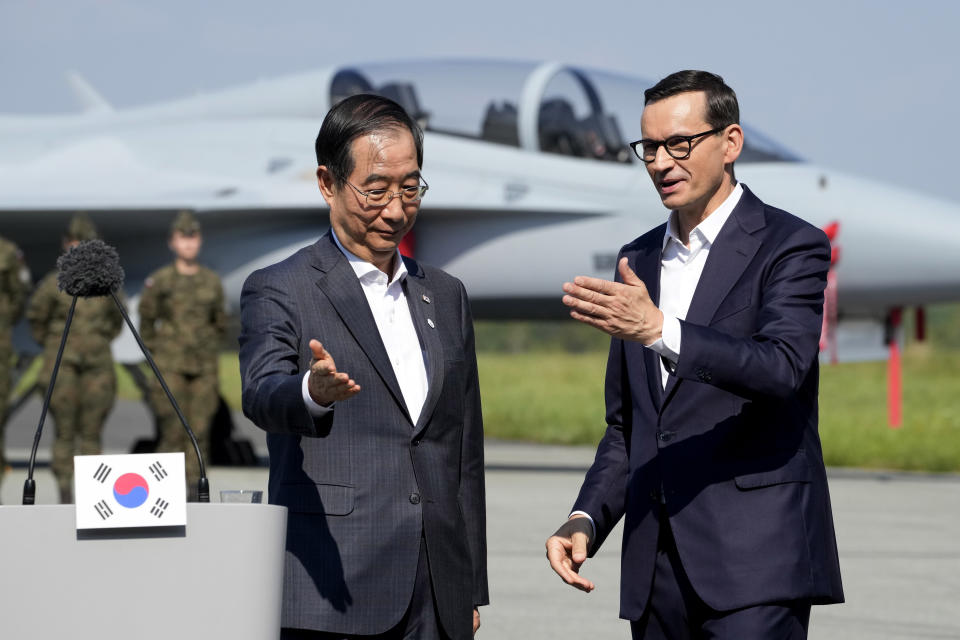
(531, 183)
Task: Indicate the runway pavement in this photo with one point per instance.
(899, 539)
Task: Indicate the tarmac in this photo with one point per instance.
(898, 535)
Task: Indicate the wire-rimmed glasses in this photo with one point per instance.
(382, 197)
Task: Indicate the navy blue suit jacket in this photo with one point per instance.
(729, 451)
(364, 483)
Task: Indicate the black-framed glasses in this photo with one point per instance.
(678, 147)
(382, 197)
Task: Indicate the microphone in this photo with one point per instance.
(92, 269)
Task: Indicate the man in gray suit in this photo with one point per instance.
(378, 455)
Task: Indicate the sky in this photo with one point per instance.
(868, 88)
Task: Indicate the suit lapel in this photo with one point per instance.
(730, 255)
(646, 265)
(422, 305)
(339, 283)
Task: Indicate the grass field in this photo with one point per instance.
(853, 414)
(544, 383)
(558, 397)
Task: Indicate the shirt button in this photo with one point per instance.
(414, 498)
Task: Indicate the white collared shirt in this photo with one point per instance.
(388, 304)
(680, 270)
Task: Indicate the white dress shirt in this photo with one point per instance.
(388, 304)
(680, 270)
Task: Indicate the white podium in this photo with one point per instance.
(219, 577)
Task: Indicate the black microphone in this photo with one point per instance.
(92, 269)
(89, 270)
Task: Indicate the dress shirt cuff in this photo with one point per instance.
(593, 526)
(668, 344)
(315, 410)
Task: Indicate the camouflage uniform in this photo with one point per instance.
(14, 286)
(86, 383)
(182, 322)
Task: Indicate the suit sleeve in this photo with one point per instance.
(472, 490)
(775, 359)
(270, 344)
(604, 490)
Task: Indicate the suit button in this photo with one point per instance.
(665, 436)
(416, 443)
(414, 498)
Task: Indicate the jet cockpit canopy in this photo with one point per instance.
(540, 107)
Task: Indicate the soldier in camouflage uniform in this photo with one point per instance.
(182, 321)
(86, 384)
(14, 287)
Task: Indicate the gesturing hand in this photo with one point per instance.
(622, 310)
(325, 384)
(567, 551)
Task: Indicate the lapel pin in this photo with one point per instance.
(426, 298)
(430, 322)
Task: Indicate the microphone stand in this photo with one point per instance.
(100, 275)
(30, 486)
(203, 486)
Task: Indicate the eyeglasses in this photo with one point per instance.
(382, 197)
(678, 147)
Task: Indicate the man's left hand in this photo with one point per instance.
(621, 309)
(476, 621)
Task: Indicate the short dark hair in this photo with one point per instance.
(722, 107)
(357, 116)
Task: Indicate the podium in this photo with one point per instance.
(221, 576)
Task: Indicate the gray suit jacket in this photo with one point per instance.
(364, 483)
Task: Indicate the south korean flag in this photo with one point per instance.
(135, 490)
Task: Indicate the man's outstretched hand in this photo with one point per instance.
(567, 551)
(621, 309)
(325, 384)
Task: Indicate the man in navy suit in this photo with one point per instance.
(378, 455)
(711, 452)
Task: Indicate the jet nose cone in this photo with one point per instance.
(897, 246)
